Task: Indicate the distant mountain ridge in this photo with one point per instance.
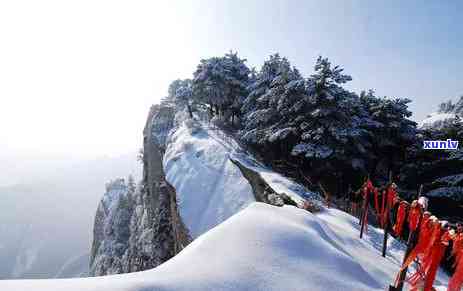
(447, 112)
(46, 220)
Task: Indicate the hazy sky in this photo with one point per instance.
(78, 77)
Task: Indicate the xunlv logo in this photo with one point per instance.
(440, 144)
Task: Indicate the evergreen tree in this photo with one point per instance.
(325, 121)
(267, 109)
(446, 107)
(328, 121)
(312, 123)
(458, 107)
(220, 83)
(391, 132)
(181, 93)
(315, 119)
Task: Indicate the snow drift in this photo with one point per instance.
(210, 188)
(262, 247)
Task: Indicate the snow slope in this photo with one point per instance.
(262, 247)
(367, 252)
(210, 188)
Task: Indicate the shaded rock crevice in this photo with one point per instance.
(262, 191)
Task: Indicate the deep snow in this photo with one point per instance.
(262, 247)
(210, 188)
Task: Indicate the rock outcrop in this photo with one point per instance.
(261, 189)
(140, 228)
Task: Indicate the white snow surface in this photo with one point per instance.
(262, 247)
(436, 120)
(210, 188)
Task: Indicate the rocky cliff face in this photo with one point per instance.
(111, 229)
(140, 228)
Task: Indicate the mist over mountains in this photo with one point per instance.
(46, 214)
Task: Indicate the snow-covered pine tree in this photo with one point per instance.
(446, 107)
(313, 121)
(458, 107)
(391, 132)
(327, 120)
(181, 93)
(220, 83)
(266, 110)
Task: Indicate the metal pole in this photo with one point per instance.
(363, 208)
(386, 232)
(360, 217)
(387, 224)
(410, 245)
(364, 214)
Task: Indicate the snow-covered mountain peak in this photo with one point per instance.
(437, 120)
(446, 114)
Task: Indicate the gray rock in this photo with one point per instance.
(139, 229)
